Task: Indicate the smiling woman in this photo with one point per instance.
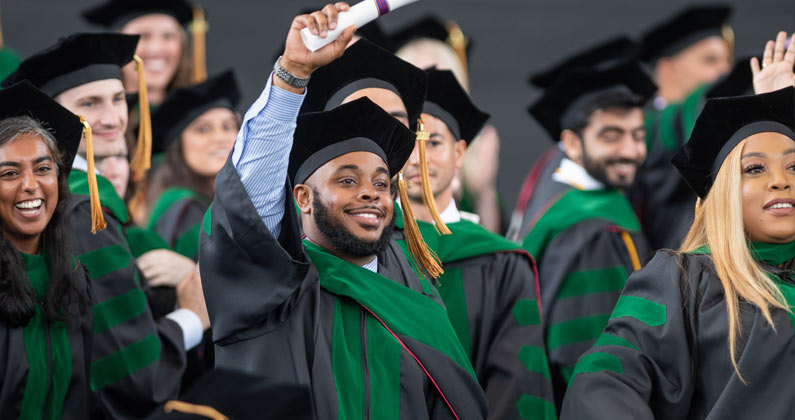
(708, 330)
(44, 318)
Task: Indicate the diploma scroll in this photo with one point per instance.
(359, 15)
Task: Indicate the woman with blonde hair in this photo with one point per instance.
(708, 331)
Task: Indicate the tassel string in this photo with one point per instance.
(427, 261)
(97, 218)
(427, 191)
(141, 160)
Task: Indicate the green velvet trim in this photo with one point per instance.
(597, 362)
(531, 408)
(124, 362)
(106, 260)
(78, 184)
(118, 309)
(346, 359)
(576, 330)
(383, 365)
(644, 310)
(207, 222)
(405, 311)
(39, 335)
(613, 340)
(609, 279)
(188, 243)
(167, 199)
(534, 358)
(526, 312)
(455, 299)
(143, 240)
(575, 206)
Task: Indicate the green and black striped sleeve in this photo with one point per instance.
(137, 363)
(641, 366)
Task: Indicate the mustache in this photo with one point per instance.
(623, 161)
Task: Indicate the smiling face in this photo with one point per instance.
(444, 155)
(612, 148)
(103, 105)
(354, 196)
(768, 185)
(160, 48)
(28, 190)
(207, 141)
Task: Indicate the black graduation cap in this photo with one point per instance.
(724, 123)
(684, 29)
(449, 102)
(365, 65)
(578, 88)
(116, 13)
(240, 396)
(76, 60)
(24, 99)
(359, 125)
(603, 54)
(431, 27)
(185, 104)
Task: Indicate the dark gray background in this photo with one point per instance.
(513, 38)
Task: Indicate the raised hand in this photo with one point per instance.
(776, 71)
(298, 59)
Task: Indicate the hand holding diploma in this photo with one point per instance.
(301, 61)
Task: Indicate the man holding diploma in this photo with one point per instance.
(341, 311)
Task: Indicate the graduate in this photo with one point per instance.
(163, 26)
(602, 54)
(341, 311)
(583, 232)
(688, 53)
(489, 284)
(707, 331)
(45, 303)
(196, 128)
(431, 42)
(137, 360)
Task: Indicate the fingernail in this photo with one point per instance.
(324, 33)
(332, 26)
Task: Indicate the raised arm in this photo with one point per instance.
(262, 149)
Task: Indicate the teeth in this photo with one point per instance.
(156, 65)
(781, 206)
(32, 204)
(367, 215)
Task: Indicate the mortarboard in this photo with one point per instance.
(24, 99)
(724, 123)
(432, 27)
(603, 54)
(448, 101)
(365, 65)
(185, 104)
(76, 60)
(578, 88)
(684, 29)
(240, 396)
(116, 13)
(359, 125)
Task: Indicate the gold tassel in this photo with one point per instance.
(199, 410)
(2, 43)
(698, 205)
(427, 261)
(727, 33)
(97, 218)
(143, 150)
(198, 30)
(427, 191)
(458, 41)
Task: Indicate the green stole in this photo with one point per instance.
(187, 244)
(575, 206)
(48, 374)
(467, 240)
(140, 240)
(394, 308)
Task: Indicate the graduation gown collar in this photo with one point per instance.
(78, 184)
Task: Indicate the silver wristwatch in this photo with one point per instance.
(287, 77)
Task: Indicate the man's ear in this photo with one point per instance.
(572, 145)
(302, 194)
(460, 148)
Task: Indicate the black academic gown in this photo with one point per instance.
(664, 353)
(14, 365)
(271, 317)
(137, 361)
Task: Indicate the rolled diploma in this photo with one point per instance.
(359, 15)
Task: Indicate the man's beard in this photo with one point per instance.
(343, 240)
(598, 170)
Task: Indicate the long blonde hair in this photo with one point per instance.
(719, 224)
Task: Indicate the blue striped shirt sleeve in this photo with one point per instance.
(262, 151)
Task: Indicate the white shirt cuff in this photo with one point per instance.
(191, 325)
